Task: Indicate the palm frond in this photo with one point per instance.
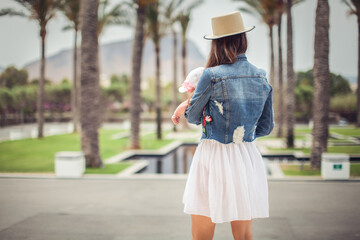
(184, 19)
(194, 5)
(68, 27)
(117, 15)
(152, 21)
(267, 10)
(295, 2)
(356, 3)
(350, 5)
(28, 4)
(171, 11)
(71, 9)
(178, 3)
(12, 12)
(247, 10)
(251, 3)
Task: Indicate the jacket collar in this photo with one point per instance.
(242, 56)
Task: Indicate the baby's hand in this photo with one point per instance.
(175, 119)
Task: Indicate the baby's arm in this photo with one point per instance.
(179, 111)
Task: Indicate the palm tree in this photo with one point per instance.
(290, 86)
(280, 103)
(171, 17)
(266, 10)
(71, 9)
(137, 51)
(354, 6)
(321, 84)
(290, 89)
(117, 15)
(90, 89)
(42, 11)
(184, 19)
(156, 30)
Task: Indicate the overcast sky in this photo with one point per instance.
(20, 42)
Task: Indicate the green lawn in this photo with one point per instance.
(285, 150)
(302, 131)
(331, 149)
(355, 169)
(294, 170)
(344, 149)
(37, 155)
(335, 140)
(355, 132)
(347, 131)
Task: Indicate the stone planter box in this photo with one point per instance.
(69, 164)
(335, 166)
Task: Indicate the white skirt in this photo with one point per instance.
(227, 182)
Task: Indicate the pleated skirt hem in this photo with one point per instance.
(225, 220)
(227, 182)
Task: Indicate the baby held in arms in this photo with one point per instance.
(188, 85)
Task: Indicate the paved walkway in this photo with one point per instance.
(129, 209)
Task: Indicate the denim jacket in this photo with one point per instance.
(238, 98)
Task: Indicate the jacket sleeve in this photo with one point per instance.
(266, 121)
(198, 101)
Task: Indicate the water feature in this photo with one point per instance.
(179, 161)
(175, 162)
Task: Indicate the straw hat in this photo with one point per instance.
(227, 25)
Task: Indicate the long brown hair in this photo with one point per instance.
(225, 50)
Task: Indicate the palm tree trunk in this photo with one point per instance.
(78, 95)
(358, 77)
(272, 73)
(175, 91)
(290, 91)
(137, 51)
(321, 84)
(183, 120)
(272, 61)
(280, 97)
(90, 90)
(158, 91)
(183, 54)
(41, 89)
(74, 91)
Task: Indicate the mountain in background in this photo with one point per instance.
(115, 58)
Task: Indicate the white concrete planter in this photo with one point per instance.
(335, 166)
(69, 164)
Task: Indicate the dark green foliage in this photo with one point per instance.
(23, 98)
(12, 77)
(149, 96)
(338, 84)
(343, 104)
(342, 99)
(304, 97)
(119, 88)
(35, 81)
(57, 97)
(6, 99)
